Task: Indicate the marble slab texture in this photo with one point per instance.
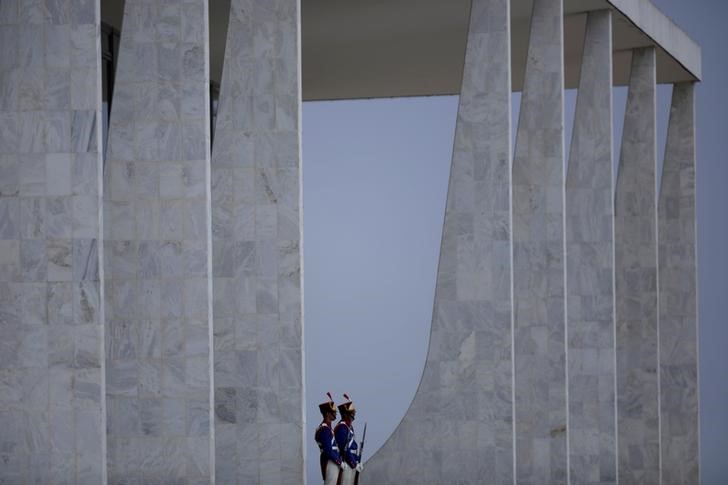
(459, 427)
(256, 249)
(538, 257)
(51, 345)
(635, 237)
(157, 248)
(590, 265)
(677, 289)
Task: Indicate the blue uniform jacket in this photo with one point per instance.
(327, 444)
(347, 444)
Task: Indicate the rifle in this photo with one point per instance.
(361, 450)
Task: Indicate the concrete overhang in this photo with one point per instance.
(385, 48)
(355, 49)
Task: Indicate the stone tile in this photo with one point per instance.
(83, 50)
(57, 12)
(85, 259)
(198, 418)
(57, 130)
(151, 417)
(58, 174)
(57, 45)
(59, 217)
(83, 131)
(58, 88)
(59, 260)
(33, 260)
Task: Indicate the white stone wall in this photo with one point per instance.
(51, 357)
(156, 224)
(256, 234)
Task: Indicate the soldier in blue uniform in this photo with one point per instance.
(345, 439)
(330, 458)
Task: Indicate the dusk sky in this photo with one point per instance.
(375, 180)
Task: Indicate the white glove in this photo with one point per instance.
(359, 467)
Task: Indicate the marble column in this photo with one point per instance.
(256, 235)
(590, 265)
(635, 237)
(458, 428)
(538, 256)
(157, 248)
(51, 333)
(677, 294)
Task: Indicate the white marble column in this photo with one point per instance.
(51, 377)
(677, 290)
(635, 232)
(156, 232)
(590, 265)
(458, 428)
(538, 256)
(256, 234)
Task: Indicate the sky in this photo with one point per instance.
(375, 179)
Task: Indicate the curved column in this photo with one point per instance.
(635, 239)
(538, 256)
(458, 428)
(678, 296)
(590, 265)
(52, 426)
(156, 224)
(256, 235)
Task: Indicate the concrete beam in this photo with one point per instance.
(635, 228)
(538, 256)
(677, 294)
(590, 265)
(459, 426)
(664, 32)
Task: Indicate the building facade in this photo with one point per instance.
(151, 308)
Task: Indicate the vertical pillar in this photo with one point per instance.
(590, 265)
(156, 224)
(51, 379)
(678, 296)
(635, 227)
(538, 256)
(459, 425)
(256, 233)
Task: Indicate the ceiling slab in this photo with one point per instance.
(391, 48)
(354, 49)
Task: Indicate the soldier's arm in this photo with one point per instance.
(341, 433)
(327, 448)
(354, 456)
(351, 456)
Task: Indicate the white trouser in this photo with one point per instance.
(347, 474)
(332, 473)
